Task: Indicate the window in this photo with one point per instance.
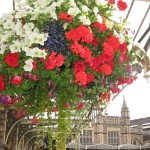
(113, 137)
(86, 137)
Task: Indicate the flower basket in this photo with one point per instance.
(63, 56)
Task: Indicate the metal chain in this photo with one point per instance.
(13, 3)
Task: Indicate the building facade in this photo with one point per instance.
(112, 130)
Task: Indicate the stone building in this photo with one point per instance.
(112, 130)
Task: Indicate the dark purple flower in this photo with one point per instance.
(4, 99)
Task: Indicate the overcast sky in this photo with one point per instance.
(137, 95)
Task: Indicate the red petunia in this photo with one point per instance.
(80, 105)
(104, 96)
(65, 17)
(95, 42)
(82, 33)
(35, 120)
(106, 69)
(81, 78)
(54, 109)
(100, 26)
(67, 105)
(85, 33)
(2, 84)
(59, 60)
(111, 2)
(84, 52)
(79, 66)
(12, 59)
(34, 65)
(108, 49)
(121, 5)
(123, 47)
(54, 61)
(113, 42)
(16, 80)
(90, 78)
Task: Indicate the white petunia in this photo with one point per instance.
(2, 49)
(28, 65)
(59, 3)
(85, 20)
(16, 47)
(19, 29)
(73, 11)
(8, 16)
(41, 3)
(99, 18)
(37, 38)
(34, 17)
(33, 37)
(101, 2)
(21, 14)
(5, 37)
(28, 27)
(41, 39)
(85, 8)
(95, 10)
(35, 52)
(42, 54)
(8, 24)
(72, 3)
(109, 24)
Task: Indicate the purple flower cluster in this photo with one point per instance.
(56, 41)
(4, 99)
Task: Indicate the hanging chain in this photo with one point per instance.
(13, 3)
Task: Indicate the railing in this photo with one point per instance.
(74, 145)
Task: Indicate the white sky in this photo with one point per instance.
(137, 95)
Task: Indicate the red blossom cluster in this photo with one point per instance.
(12, 59)
(83, 78)
(104, 96)
(53, 61)
(120, 4)
(100, 26)
(65, 17)
(2, 85)
(82, 33)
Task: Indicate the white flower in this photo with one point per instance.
(37, 38)
(72, 3)
(42, 54)
(59, 3)
(34, 17)
(41, 39)
(19, 29)
(8, 16)
(21, 14)
(6, 36)
(35, 52)
(85, 20)
(73, 11)
(41, 3)
(16, 47)
(95, 10)
(2, 49)
(99, 18)
(85, 8)
(65, 25)
(101, 2)
(8, 24)
(52, 10)
(28, 27)
(28, 65)
(109, 24)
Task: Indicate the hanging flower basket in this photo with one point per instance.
(63, 56)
